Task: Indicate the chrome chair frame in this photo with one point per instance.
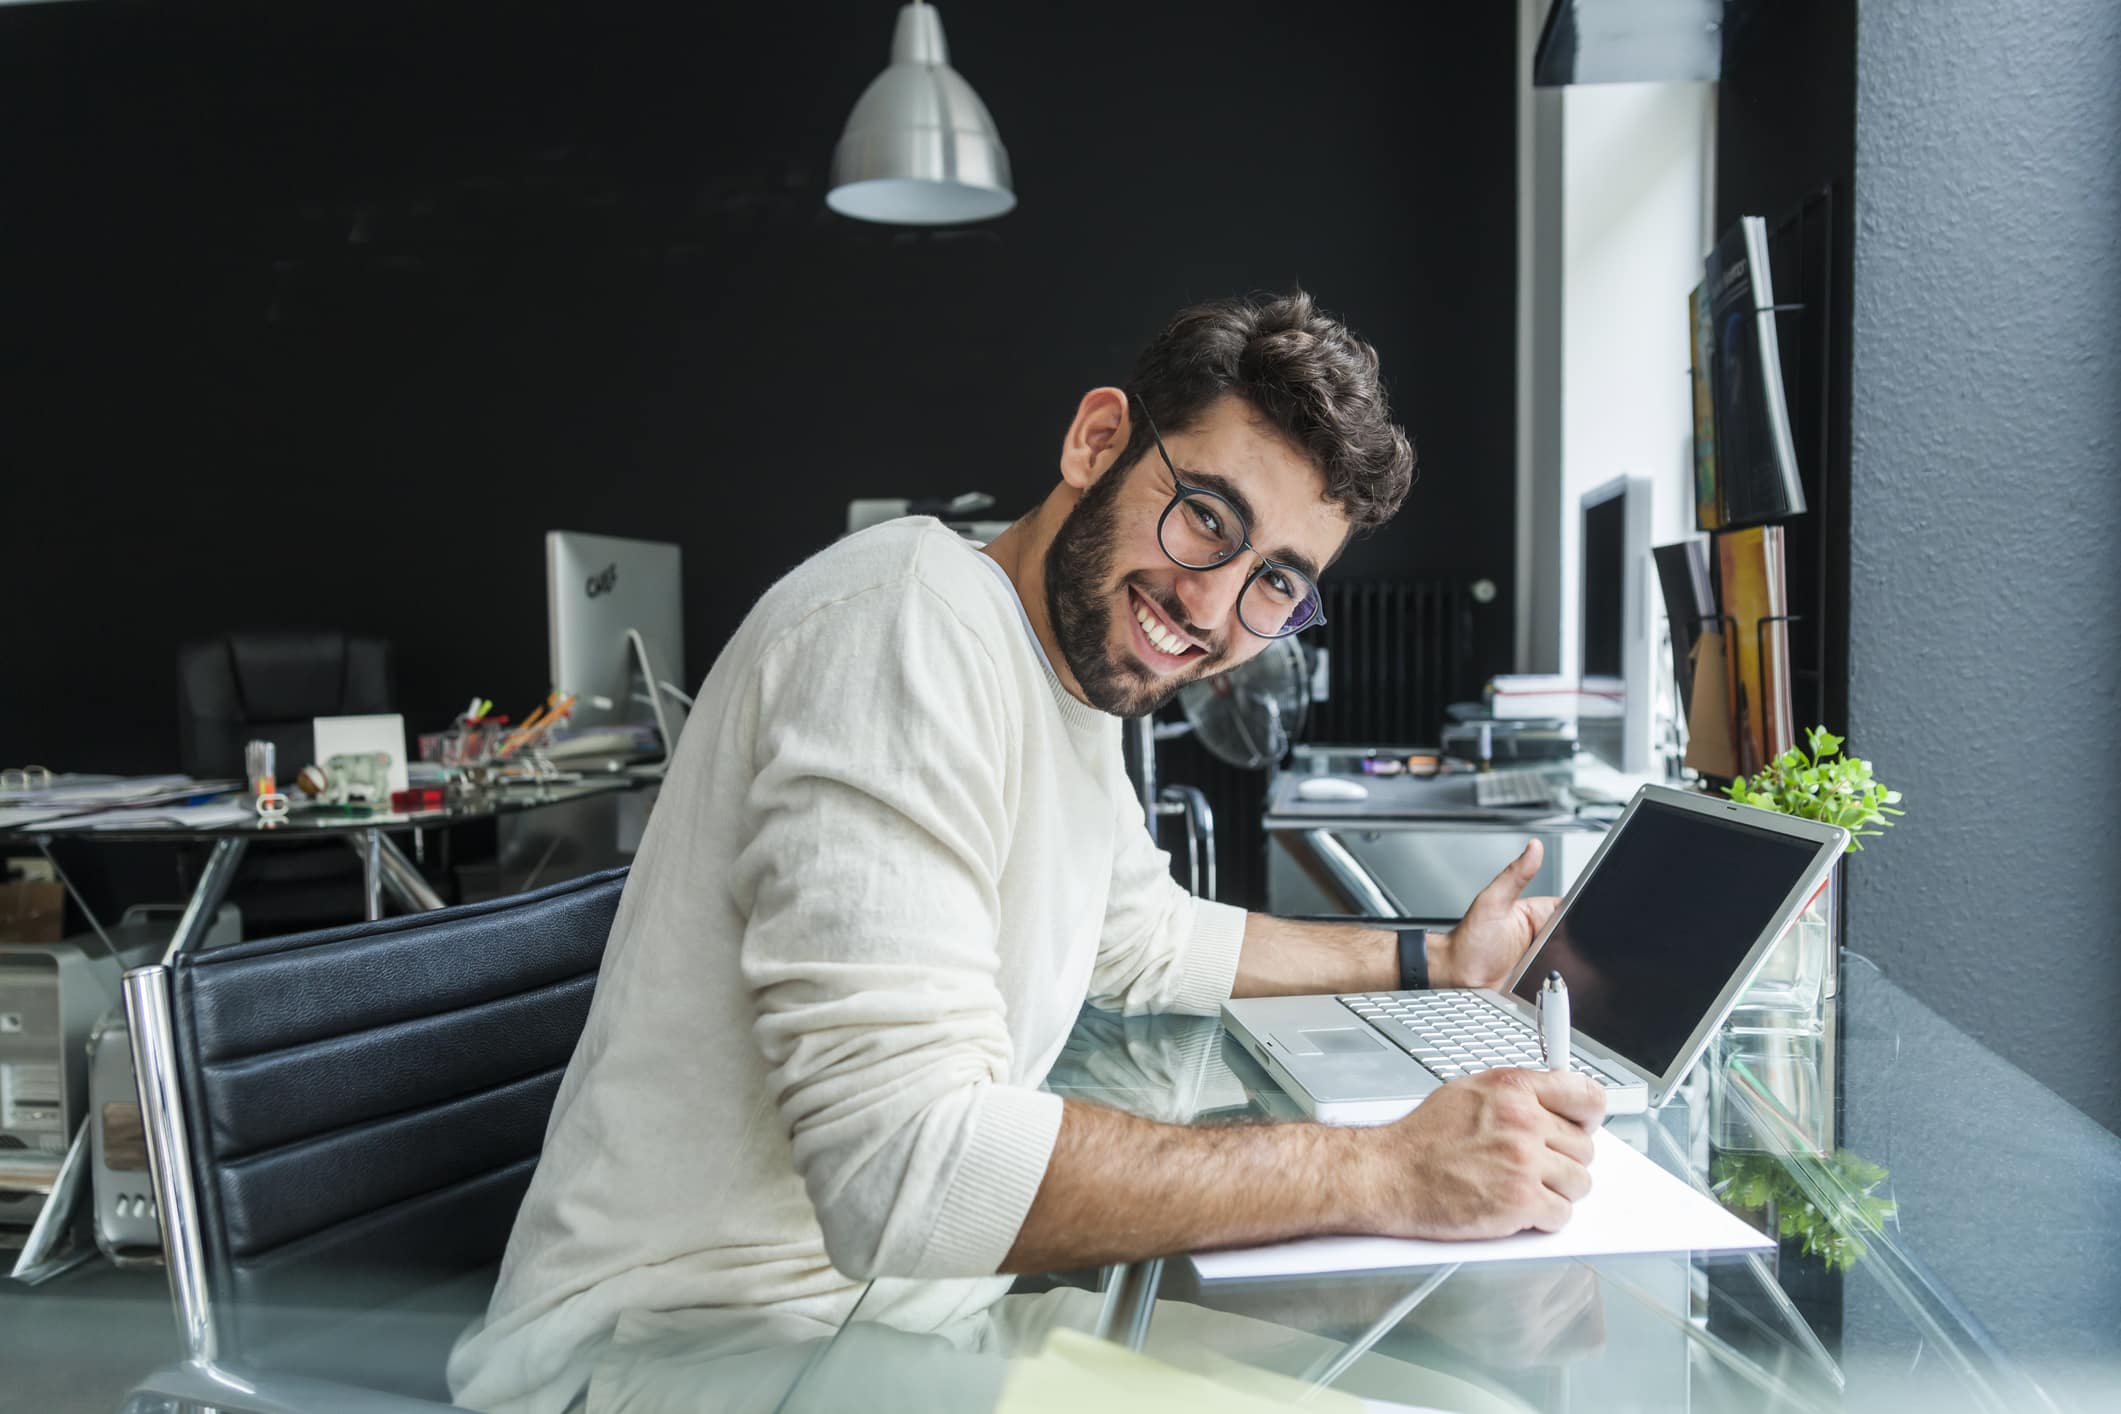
(296, 1287)
(201, 1380)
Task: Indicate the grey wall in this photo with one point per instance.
(1986, 420)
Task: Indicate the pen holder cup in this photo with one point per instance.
(1771, 1093)
(462, 745)
(467, 754)
(1800, 973)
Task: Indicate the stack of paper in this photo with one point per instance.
(1534, 695)
(210, 815)
(81, 802)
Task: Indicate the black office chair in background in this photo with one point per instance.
(341, 1126)
(267, 686)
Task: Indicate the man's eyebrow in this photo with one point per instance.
(1227, 489)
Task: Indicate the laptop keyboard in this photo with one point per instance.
(1457, 1033)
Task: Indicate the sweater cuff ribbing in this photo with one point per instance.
(984, 1205)
(1211, 958)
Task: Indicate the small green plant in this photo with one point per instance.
(1819, 783)
(1834, 1236)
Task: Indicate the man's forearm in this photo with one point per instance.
(1119, 1188)
(1286, 959)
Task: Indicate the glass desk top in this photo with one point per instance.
(502, 800)
(1951, 1239)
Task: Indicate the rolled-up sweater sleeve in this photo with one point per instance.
(1162, 949)
(879, 817)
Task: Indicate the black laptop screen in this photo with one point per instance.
(1677, 901)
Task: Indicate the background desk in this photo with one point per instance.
(1412, 849)
(384, 866)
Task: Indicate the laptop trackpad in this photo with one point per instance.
(1328, 1041)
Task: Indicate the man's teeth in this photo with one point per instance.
(1162, 637)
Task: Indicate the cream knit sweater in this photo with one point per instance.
(892, 859)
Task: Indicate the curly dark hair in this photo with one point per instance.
(1304, 372)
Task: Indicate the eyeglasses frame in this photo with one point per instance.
(1186, 489)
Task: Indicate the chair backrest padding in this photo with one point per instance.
(271, 685)
(365, 1107)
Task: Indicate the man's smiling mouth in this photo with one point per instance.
(1167, 644)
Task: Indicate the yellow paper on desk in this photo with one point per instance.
(1076, 1371)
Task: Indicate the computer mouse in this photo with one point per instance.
(1331, 788)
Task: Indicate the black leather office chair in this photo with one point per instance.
(268, 686)
(341, 1126)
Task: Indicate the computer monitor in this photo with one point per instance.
(1613, 720)
(609, 604)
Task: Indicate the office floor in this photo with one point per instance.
(78, 1343)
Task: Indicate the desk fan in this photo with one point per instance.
(1247, 717)
(1250, 715)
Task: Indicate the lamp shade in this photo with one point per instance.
(920, 148)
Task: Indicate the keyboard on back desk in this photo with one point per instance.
(1456, 1033)
(1507, 789)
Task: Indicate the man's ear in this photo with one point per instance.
(1096, 439)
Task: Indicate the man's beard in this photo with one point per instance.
(1078, 563)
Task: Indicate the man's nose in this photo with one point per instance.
(1209, 597)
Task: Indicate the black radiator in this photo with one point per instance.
(1398, 651)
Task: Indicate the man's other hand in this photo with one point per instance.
(1485, 1156)
(1488, 942)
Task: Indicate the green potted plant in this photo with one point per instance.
(1786, 1194)
(1816, 782)
(1819, 783)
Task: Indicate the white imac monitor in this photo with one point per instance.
(1613, 720)
(615, 617)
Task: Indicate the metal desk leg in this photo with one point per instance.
(44, 847)
(403, 878)
(52, 1232)
(1340, 873)
(1130, 1300)
(206, 898)
(369, 845)
(1331, 1367)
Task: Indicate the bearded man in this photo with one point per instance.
(897, 851)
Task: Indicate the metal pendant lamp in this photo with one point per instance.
(920, 148)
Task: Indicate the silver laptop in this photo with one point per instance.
(1664, 929)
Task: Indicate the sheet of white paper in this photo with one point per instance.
(1633, 1206)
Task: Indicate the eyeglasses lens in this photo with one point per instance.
(1278, 603)
(1202, 531)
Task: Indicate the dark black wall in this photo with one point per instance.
(1785, 151)
(324, 315)
(1984, 678)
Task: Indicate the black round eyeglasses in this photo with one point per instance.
(1202, 530)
